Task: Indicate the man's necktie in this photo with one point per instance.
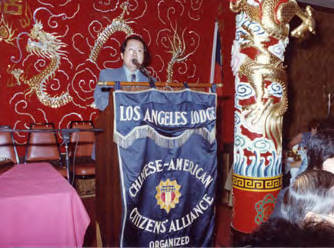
(133, 77)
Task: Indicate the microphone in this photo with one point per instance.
(136, 63)
(143, 70)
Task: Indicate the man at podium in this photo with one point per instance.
(135, 56)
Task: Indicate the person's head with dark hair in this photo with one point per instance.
(313, 126)
(311, 194)
(307, 215)
(134, 47)
(275, 232)
(278, 232)
(320, 150)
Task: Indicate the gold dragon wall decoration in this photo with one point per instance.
(118, 24)
(262, 30)
(47, 46)
(178, 51)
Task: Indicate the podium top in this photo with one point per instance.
(160, 84)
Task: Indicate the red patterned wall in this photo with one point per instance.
(52, 51)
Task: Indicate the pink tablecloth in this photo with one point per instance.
(38, 207)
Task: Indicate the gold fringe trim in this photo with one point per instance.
(161, 140)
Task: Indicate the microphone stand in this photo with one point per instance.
(143, 70)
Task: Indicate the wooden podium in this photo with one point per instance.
(108, 190)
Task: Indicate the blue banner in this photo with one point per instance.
(167, 157)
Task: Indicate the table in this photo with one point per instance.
(38, 207)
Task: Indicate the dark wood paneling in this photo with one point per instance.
(311, 74)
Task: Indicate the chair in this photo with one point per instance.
(44, 146)
(8, 152)
(81, 149)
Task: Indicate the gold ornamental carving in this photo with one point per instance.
(263, 24)
(118, 24)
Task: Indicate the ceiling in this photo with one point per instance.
(323, 3)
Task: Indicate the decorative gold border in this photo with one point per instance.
(258, 184)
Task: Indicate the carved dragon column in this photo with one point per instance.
(262, 30)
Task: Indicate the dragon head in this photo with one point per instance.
(44, 44)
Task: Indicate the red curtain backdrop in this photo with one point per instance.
(48, 46)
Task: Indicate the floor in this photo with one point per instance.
(222, 235)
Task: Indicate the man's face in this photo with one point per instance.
(134, 50)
